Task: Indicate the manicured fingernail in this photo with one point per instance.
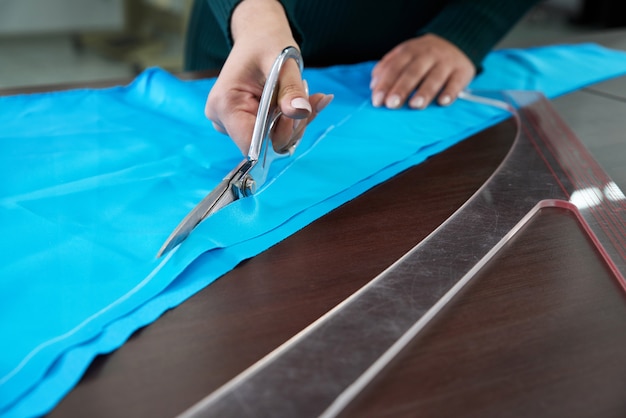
(377, 99)
(306, 87)
(373, 83)
(394, 102)
(417, 102)
(301, 104)
(445, 100)
(296, 124)
(324, 102)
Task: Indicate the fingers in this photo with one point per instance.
(237, 121)
(293, 98)
(289, 131)
(232, 112)
(395, 76)
(233, 102)
(297, 107)
(219, 128)
(430, 86)
(419, 71)
(240, 125)
(457, 81)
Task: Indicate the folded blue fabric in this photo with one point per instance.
(95, 180)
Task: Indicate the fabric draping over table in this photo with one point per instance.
(95, 180)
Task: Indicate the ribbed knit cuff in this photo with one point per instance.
(475, 26)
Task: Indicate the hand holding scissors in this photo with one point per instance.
(251, 172)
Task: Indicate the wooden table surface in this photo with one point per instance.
(540, 333)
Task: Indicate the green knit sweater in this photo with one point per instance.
(348, 31)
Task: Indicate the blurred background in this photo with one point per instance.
(59, 41)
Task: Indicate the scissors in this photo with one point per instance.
(250, 174)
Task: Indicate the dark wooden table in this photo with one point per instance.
(540, 333)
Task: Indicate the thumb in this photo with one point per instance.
(293, 98)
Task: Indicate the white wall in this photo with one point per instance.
(18, 17)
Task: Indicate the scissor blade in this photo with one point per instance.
(217, 199)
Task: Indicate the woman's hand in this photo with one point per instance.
(420, 70)
(234, 100)
(260, 32)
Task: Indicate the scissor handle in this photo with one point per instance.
(247, 175)
(269, 111)
(261, 153)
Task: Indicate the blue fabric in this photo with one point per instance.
(95, 180)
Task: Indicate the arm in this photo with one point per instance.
(444, 57)
(223, 10)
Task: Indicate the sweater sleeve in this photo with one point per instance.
(223, 11)
(475, 26)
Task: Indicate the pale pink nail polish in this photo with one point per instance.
(296, 125)
(445, 100)
(301, 104)
(377, 99)
(394, 102)
(324, 102)
(417, 102)
(373, 83)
